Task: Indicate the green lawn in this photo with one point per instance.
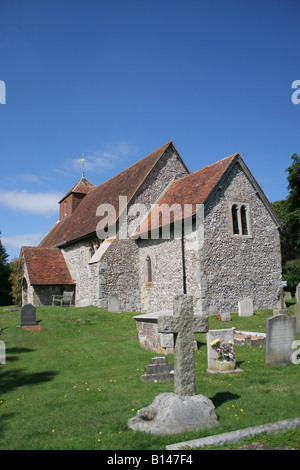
(75, 384)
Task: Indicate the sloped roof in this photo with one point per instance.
(195, 189)
(83, 186)
(192, 189)
(84, 220)
(46, 266)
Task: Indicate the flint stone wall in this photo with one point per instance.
(239, 266)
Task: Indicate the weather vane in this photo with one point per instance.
(82, 160)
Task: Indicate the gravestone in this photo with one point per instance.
(183, 410)
(225, 316)
(2, 353)
(280, 304)
(280, 334)
(113, 304)
(212, 335)
(297, 315)
(28, 315)
(297, 295)
(159, 370)
(246, 307)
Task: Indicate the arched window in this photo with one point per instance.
(148, 269)
(244, 220)
(235, 220)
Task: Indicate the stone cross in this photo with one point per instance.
(183, 324)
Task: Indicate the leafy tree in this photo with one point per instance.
(288, 210)
(5, 298)
(15, 278)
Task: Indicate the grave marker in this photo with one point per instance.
(297, 295)
(280, 334)
(28, 315)
(183, 410)
(183, 324)
(246, 307)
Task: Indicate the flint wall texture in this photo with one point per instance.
(239, 266)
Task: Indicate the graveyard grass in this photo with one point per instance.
(75, 383)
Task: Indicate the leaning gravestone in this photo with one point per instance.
(172, 413)
(280, 335)
(28, 315)
(246, 307)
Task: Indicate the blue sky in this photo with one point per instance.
(116, 79)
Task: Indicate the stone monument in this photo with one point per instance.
(297, 315)
(246, 307)
(28, 315)
(158, 371)
(183, 410)
(280, 335)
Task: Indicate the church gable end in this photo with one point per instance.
(242, 244)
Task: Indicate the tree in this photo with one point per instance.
(5, 298)
(15, 278)
(288, 210)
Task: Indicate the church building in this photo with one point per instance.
(114, 248)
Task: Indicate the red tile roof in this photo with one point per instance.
(46, 266)
(84, 220)
(192, 189)
(83, 186)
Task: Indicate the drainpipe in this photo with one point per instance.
(183, 260)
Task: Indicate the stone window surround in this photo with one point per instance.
(239, 206)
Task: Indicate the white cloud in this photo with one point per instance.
(35, 203)
(105, 159)
(28, 239)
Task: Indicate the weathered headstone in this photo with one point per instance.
(159, 370)
(297, 315)
(246, 307)
(28, 315)
(280, 334)
(298, 293)
(225, 316)
(113, 304)
(183, 410)
(2, 353)
(280, 304)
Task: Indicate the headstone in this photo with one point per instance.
(183, 410)
(246, 307)
(298, 293)
(280, 304)
(212, 335)
(2, 353)
(280, 334)
(158, 371)
(225, 316)
(28, 315)
(297, 315)
(113, 304)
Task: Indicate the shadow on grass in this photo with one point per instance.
(11, 380)
(16, 350)
(222, 397)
